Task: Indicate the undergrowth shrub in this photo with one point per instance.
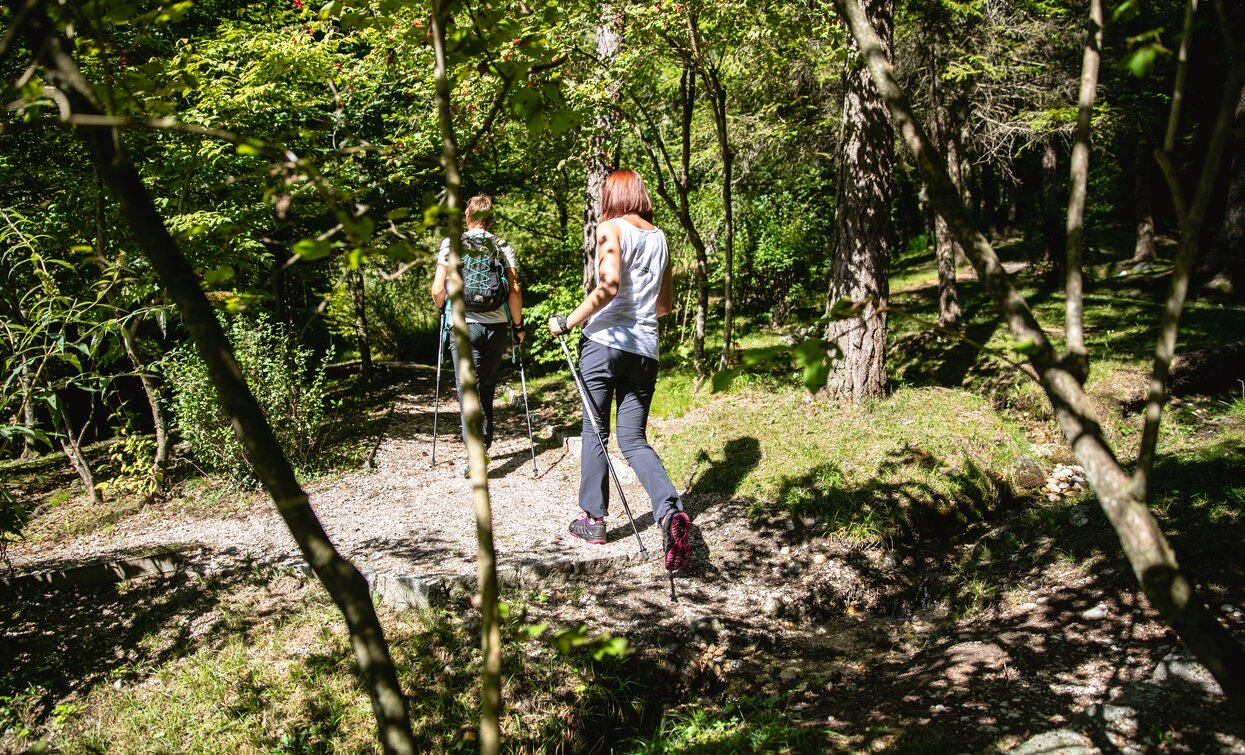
(290, 387)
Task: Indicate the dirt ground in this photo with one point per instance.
(853, 643)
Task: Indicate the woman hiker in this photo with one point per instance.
(618, 359)
(489, 331)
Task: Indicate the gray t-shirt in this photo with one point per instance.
(498, 315)
(629, 321)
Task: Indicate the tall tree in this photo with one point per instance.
(709, 69)
(863, 236)
(1122, 496)
(600, 161)
(648, 129)
(1226, 255)
(1079, 187)
(945, 134)
(473, 415)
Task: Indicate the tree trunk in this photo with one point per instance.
(1226, 255)
(728, 236)
(71, 444)
(358, 295)
(1011, 218)
(29, 448)
(1078, 183)
(1144, 250)
(129, 340)
(1053, 237)
(159, 420)
(658, 155)
(341, 579)
(945, 248)
(863, 233)
(473, 416)
(709, 75)
(687, 94)
(1122, 498)
(600, 161)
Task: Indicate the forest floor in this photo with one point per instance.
(1010, 624)
(847, 645)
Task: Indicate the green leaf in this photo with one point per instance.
(1027, 346)
(810, 351)
(613, 647)
(722, 379)
(1141, 61)
(310, 250)
(815, 376)
(754, 357)
(219, 274)
(401, 252)
(844, 308)
(529, 631)
(361, 228)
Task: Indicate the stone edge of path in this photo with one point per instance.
(402, 591)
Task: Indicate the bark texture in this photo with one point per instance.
(863, 233)
(679, 200)
(715, 91)
(490, 618)
(1053, 237)
(1169, 589)
(358, 297)
(599, 162)
(1143, 211)
(1226, 255)
(1078, 182)
(343, 582)
(945, 247)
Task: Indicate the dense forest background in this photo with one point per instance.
(298, 159)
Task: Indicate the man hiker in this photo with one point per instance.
(494, 304)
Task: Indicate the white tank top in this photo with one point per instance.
(629, 322)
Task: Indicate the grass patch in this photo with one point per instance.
(746, 725)
(921, 457)
(253, 666)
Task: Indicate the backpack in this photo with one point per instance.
(485, 287)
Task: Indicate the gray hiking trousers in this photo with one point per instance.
(488, 344)
(609, 375)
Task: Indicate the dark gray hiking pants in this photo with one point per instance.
(488, 344)
(611, 374)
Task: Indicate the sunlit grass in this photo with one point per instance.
(871, 471)
(270, 669)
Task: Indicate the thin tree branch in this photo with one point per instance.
(1190, 231)
(1182, 74)
(490, 624)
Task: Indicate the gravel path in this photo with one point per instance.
(405, 516)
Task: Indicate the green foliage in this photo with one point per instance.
(749, 724)
(12, 520)
(132, 455)
(289, 387)
(554, 296)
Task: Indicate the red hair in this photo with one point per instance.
(623, 194)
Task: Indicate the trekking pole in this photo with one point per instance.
(526, 412)
(518, 350)
(591, 415)
(436, 401)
